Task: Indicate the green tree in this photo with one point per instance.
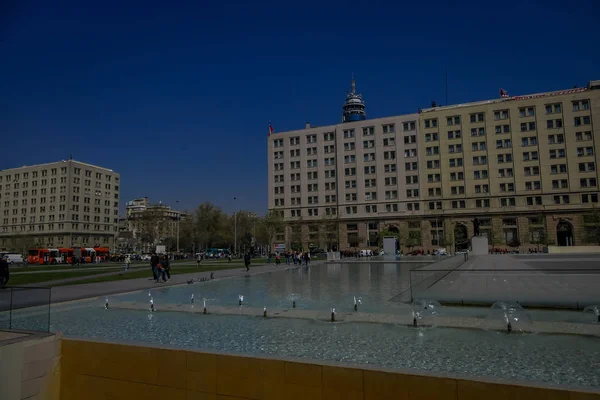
(591, 226)
(330, 232)
(269, 226)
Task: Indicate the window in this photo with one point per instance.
(529, 171)
(369, 144)
(507, 187)
(457, 190)
(554, 123)
(313, 175)
(455, 120)
(578, 121)
(533, 185)
(311, 139)
(482, 203)
(329, 185)
(560, 184)
(433, 178)
(313, 187)
(507, 202)
(293, 141)
(453, 148)
(585, 151)
(589, 198)
(351, 210)
(458, 204)
(328, 136)
(390, 167)
(410, 166)
(482, 188)
(369, 157)
(390, 181)
(311, 163)
(329, 149)
(351, 184)
(389, 128)
(310, 151)
(370, 182)
(370, 169)
(530, 156)
(499, 115)
(563, 199)
(534, 201)
(529, 141)
(430, 137)
(502, 129)
(349, 146)
(554, 139)
(371, 208)
(350, 196)
(478, 146)
(480, 174)
(588, 182)
(410, 153)
(431, 123)
(369, 131)
(504, 158)
(435, 205)
(527, 126)
(477, 132)
(458, 162)
(391, 194)
(457, 176)
(430, 151)
(389, 141)
(350, 171)
(581, 105)
(409, 126)
(581, 136)
(586, 167)
(389, 155)
(553, 108)
(479, 117)
(526, 112)
(349, 159)
(505, 173)
(369, 196)
(409, 139)
(412, 206)
(506, 143)
(434, 191)
(454, 134)
(433, 164)
(412, 179)
(278, 155)
(412, 193)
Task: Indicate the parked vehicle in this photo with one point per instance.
(13, 258)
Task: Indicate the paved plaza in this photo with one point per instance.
(536, 280)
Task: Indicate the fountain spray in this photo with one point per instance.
(355, 304)
(106, 304)
(192, 299)
(333, 315)
(152, 305)
(204, 304)
(241, 300)
(294, 304)
(265, 312)
(414, 319)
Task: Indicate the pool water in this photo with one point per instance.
(555, 359)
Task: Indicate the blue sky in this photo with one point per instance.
(177, 96)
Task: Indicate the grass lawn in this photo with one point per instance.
(106, 267)
(147, 273)
(29, 279)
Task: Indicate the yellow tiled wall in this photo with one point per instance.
(93, 370)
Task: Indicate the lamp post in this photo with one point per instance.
(235, 230)
(178, 218)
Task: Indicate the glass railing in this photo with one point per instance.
(25, 308)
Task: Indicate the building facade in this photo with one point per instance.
(524, 166)
(62, 204)
(146, 225)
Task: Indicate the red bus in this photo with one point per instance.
(88, 255)
(102, 254)
(66, 254)
(43, 256)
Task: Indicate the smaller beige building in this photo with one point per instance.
(66, 203)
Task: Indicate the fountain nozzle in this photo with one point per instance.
(152, 305)
(355, 304)
(265, 312)
(599, 318)
(509, 327)
(240, 300)
(192, 299)
(294, 304)
(415, 322)
(106, 304)
(333, 315)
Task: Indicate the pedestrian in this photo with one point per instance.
(278, 259)
(307, 258)
(4, 272)
(154, 261)
(247, 261)
(166, 265)
(127, 262)
(198, 259)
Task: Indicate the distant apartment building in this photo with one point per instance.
(61, 204)
(146, 224)
(524, 166)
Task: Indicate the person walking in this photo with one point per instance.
(247, 261)
(154, 261)
(4, 272)
(127, 262)
(166, 264)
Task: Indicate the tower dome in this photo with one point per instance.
(354, 107)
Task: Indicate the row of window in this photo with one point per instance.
(51, 227)
(52, 172)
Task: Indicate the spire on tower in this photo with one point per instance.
(354, 107)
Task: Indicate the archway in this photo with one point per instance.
(564, 234)
(393, 229)
(461, 237)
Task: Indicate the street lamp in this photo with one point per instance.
(235, 230)
(178, 218)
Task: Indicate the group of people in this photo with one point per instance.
(297, 257)
(161, 267)
(4, 274)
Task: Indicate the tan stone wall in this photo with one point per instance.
(93, 370)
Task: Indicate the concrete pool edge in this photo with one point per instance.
(133, 369)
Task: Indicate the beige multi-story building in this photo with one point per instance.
(61, 204)
(146, 224)
(524, 166)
